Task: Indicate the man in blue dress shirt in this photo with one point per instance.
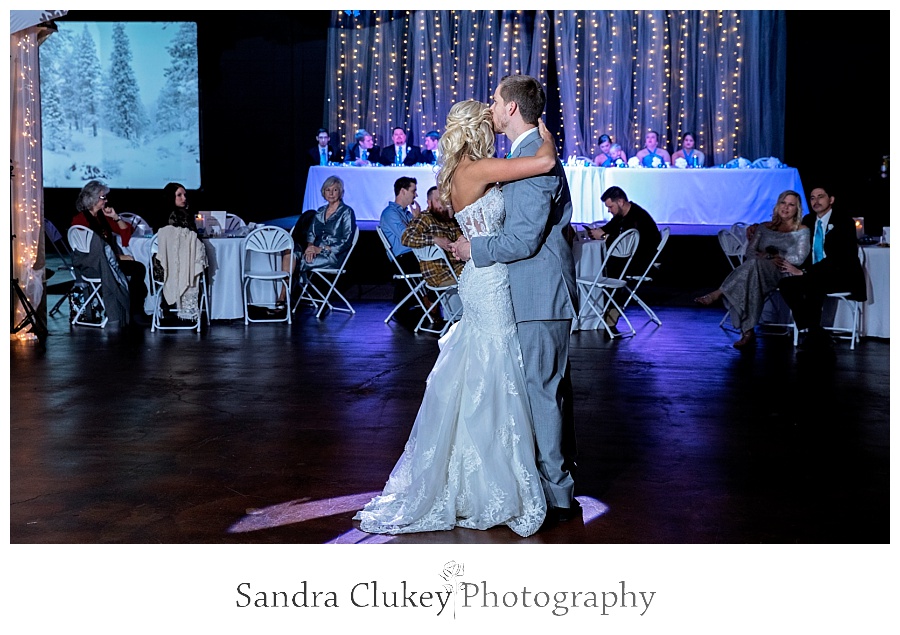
(394, 220)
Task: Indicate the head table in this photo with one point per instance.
(710, 196)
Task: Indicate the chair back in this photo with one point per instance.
(80, 238)
(664, 237)
(232, 222)
(268, 239)
(433, 252)
(353, 242)
(390, 253)
(139, 226)
(624, 246)
(732, 247)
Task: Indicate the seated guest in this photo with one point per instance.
(175, 207)
(322, 153)
(435, 226)
(688, 152)
(432, 147)
(330, 234)
(395, 218)
(603, 159)
(400, 153)
(832, 267)
(363, 150)
(782, 239)
(626, 215)
(106, 224)
(651, 155)
(617, 155)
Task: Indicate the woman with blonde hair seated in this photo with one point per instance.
(773, 245)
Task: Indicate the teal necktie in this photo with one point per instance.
(819, 243)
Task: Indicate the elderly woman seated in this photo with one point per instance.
(330, 234)
(122, 277)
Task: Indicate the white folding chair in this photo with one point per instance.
(844, 333)
(645, 277)
(156, 292)
(232, 222)
(599, 290)
(733, 247)
(330, 276)
(739, 230)
(139, 226)
(80, 240)
(270, 242)
(414, 281)
(444, 293)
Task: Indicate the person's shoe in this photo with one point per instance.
(747, 340)
(565, 514)
(706, 300)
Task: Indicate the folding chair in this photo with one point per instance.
(451, 313)
(330, 277)
(80, 240)
(269, 241)
(601, 287)
(232, 222)
(645, 277)
(733, 247)
(65, 254)
(139, 226)
(156, 292)
(852, 333)
(414, 281)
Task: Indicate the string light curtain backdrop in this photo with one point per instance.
(718, 74)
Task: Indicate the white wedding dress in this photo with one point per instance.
(469, 461)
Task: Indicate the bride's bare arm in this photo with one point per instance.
(502, 170)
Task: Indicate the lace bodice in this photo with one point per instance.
(484, 217)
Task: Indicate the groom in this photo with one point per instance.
(542, 282)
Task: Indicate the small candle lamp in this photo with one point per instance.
(860, 227)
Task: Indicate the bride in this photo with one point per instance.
(470, 458)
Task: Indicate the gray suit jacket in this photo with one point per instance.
(533, 244)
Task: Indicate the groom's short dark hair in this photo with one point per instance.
(528, 94)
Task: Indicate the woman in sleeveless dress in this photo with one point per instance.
(783, 239)
(470, 460)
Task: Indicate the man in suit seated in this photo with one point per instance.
(400, 153)
(435, 226)
(322, 153)
(432, 142)
(832, 267)
(363, 150)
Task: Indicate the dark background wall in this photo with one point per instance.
(262, 83)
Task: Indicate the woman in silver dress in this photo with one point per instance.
(744, 291)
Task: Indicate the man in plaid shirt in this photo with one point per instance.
(434, 226)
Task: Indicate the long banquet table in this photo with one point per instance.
(711, 196)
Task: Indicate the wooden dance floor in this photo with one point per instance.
(278, 434)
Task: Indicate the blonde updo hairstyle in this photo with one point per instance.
(469, 133)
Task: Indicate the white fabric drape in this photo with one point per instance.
(26, 185)
(717, 74)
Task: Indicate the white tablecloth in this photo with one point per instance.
(224, 256)
(876, 310)
(672, 196)
(712, 196)
(367, 190)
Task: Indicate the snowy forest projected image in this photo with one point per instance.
(120, 103)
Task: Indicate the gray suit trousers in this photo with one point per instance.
(545, 353)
